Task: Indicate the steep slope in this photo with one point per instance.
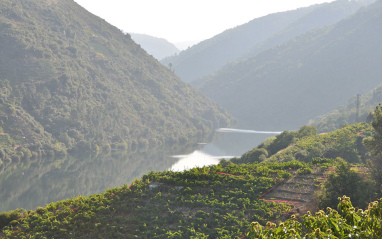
(86, 84)
(157, 47)
(286, 86)
(323, 15)
(209, 55)
(255, 36)
(347, 114)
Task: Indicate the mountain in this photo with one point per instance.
(71, 81)
(257, 35)
(157, 47)
(347, 114)
(284, 87)
(322, 15)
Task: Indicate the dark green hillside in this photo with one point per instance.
(72, 80)
(255, 36)
(157, 47)
(348, 114)
(284, 87)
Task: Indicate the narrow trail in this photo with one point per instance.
(298, 191)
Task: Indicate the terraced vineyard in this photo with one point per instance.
(218, 201)
(221, 201)
(299, 190)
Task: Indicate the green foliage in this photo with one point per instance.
(274, 145)
(305, 170)
(374, 142)
(75, 80)
(347, 182)
(7, 217)
(347, 222)
(282, 141)
(216, 202)
(303, 146)
(255, 155)
(340, 143)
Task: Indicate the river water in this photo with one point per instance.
(36, 183)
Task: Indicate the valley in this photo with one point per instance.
(271, 129)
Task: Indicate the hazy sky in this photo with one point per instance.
(186, 20)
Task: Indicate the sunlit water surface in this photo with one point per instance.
(229, 143)
(39, 182)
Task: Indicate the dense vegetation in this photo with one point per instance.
(347, 222)
(306, 77)
(157, 47)
(115, 96)
(255, 36)
(217, 201)
(69, 81)
(220, 201)
(305, 145)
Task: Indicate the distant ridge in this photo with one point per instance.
(346, 114)
(305, 77)
(157, 47)
(257, 35)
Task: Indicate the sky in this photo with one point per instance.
(186, 20)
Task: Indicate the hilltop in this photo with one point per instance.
(69, 81)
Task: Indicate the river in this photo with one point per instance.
(36, 183)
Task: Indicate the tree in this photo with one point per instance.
(374, 144)
(306, 131)
(345, 181)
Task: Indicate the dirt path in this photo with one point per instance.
(299, 191)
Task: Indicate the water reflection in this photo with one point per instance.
(196, 159)
(228, 143)
(36, 183)
(246, 131)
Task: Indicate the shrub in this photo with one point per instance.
(254, 155)
(304, 170)
(7, 217)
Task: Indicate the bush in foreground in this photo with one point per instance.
(347, 222)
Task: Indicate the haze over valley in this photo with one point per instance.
(244, 133)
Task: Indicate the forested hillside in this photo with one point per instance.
(255, 36)
(348, 114)
(71, 81)
(311, 75)
(323, 15)
(157, 47)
